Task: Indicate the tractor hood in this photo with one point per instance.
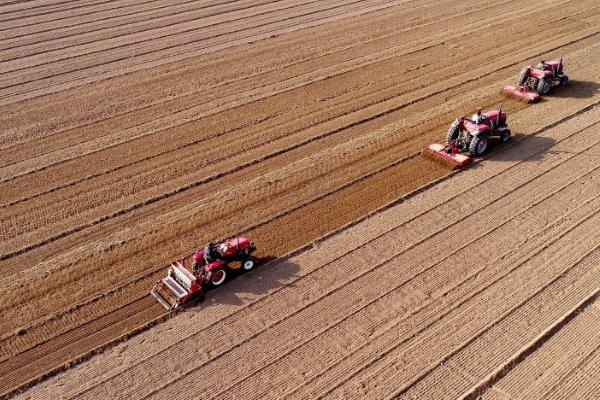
(538, 73)
(474, 128)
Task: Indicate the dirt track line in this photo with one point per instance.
(148, 64)
(529, 249)
(507, 170)
(573, 286)
(71, 13)
(481, 331)
(380, 114)
(321, 54)
(16, 41)
(174, 29)
(386, 260)
(579, 367)
(194, 184)
(23, 171)
(362, 245)
(53, 45)
(410, 50)
(455, 251)
(154, 59)
(45, 12)
(395, 202)
(69, 362)
(14, 77)
(566, 352)
(324, 53)
(491, 379)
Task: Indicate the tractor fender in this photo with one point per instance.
(215, 265)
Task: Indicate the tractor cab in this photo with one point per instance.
(554, 67)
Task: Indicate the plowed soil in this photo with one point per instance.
(134, 132)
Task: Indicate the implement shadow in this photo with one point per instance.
(270, 274)
(577, 90)
(514, 149)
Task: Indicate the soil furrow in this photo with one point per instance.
(338, 47)
(561, 356)
(307, 142)
(55, 36)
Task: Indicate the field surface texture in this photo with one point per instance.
(133, 132)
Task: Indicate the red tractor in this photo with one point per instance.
(534, 82)
(472, 135)
(211, 266)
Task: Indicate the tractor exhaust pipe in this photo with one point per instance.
(499, 115)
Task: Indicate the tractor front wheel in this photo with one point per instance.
(505, 135)
(248, 264)
(479, 145)
(218, 277)
(564, 80)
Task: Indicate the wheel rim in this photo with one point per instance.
(504, 137)
(248, 265)
(481, 146)
(218, 277)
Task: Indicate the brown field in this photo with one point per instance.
(135, 131)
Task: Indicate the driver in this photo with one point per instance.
(477, 117)
(210, 253)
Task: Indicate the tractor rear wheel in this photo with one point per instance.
(452, 134)
(543, 86)
(248, 264)
(479, 145)
(218, 277)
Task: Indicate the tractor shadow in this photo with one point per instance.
(521, 147)
(268, 275)
(577, 90)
